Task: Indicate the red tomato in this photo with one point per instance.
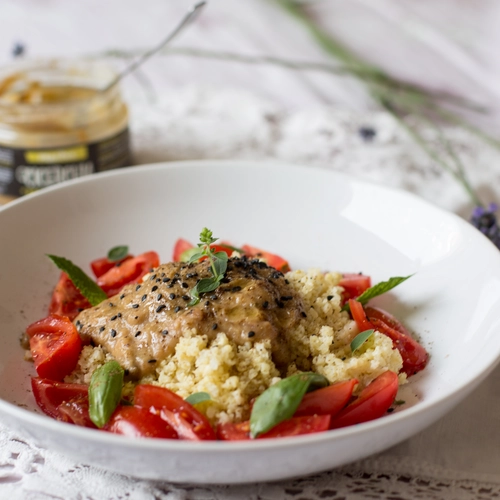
(55, 346)
(327, 401)
(373, 402)
(359, 316)
(130, 271)
(76, 411)
(103, 265)
(415, 357)
(180, 247)
(49, 395)
(354, 285)
(134, 422)
(271, 259)
(188, 422)
(67, 299)
(293, 427)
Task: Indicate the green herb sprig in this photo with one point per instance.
(218, 266)
(118, 253)
(105, 392)
(378, 289)
(280, 401)
(88, 288)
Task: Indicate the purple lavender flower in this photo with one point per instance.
(486, 221)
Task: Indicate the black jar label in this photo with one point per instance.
(23, 171)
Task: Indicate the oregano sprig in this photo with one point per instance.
(218, 266)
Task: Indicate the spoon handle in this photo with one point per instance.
(190, 16)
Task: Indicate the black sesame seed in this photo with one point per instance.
(111, 304)
(225, 280)
(251, 334)
(113, 333)
(191, 275)
(265, 305)
(159, 296)
(113, 317)
(172, 296)
(236, 289)
(136, 317)
(166, 280)
(158, 280)
(126, 372)
(164, 332)
(184, 285)
(171, 285)
(160, 308)
(102, 328)
(280, 304)
(213, 297)
(287, 282)
(135, 306)
(287, 297)
(177, 309)
(214, 326)
(262, 265)
(137, 333)
(154, 288)
(303, 314)
(330, 297)
(137, 288)
(186, 297)
(119, 315)
(152, 361)
(162, 274)
(122, 296)
(207, 303)
(144, 297)
(153, 277)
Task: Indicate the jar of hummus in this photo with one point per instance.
(56, 123)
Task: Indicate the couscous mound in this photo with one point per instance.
(234, 374)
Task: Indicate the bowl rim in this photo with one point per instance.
(45, 422)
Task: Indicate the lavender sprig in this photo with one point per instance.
(485, 220)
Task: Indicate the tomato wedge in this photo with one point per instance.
(415, 357)
(136, 422)
(67, 299)
(55, 346)
(271, 259)
(187, 421)
(354, 285)
(130, 271)
(359, 316)
(328, 400)
(76, 411)
(103, 265)
(373, 402)
(295, 426)
(49, 395)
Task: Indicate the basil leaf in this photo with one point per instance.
(198, 397)
(118, 253)
(191, 255)
(207, 285)
(220, 263)
(88, 288)
(280, 401)
(360, 339)
(105, 391)
(378, 289)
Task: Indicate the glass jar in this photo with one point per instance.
(56, 123)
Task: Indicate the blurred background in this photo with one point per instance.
(260, 78)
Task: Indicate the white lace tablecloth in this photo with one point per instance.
(457, 458)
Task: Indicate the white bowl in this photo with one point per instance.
(312, 217)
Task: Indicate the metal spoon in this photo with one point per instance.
(190, 16)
